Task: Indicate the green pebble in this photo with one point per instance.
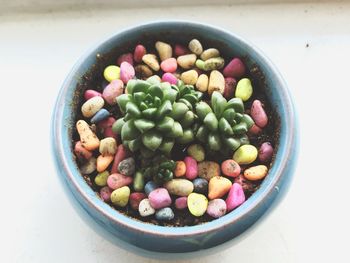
(101, 178)
(200, 64)
(139, 182)
(213, 63)
(197, 152)
(244, 89)
(245, 154)
(120, 196)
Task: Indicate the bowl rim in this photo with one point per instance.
(76, 179)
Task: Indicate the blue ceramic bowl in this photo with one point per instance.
(147, 238)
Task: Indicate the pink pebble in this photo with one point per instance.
(121, 154)
(180, 50)
(181, 203)
(258, 114)
(128, 57)
(234, 69)
(168, 77)
(135, 199)
(217, 208)
(230, 87)
(127, 72)
(116, 180)
(265, 152)
(112, 91)
(139, 52)
(159, 198)
(105, 193)
(90, 93)
(105, 127)
(191, 168)
(255, 130)
(235, 197)
(169, 65)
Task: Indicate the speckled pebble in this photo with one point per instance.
(127, 166)
(165, 214)
(216, 208)
(145, 208)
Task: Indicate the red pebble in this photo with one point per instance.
(106, 127)
(128, 57)
(230, 168)
(258, 114)
(181, 203)
(127, 72)
(105, 193)
(180, 50)
(139, 52)
(90, 93)
(234, 69)
(230, 87)
(116, 180)
(81, 152)
(121, 154)
(169, 65)
(135, 199)
(191, 168)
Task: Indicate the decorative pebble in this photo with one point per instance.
(105, 193)
(159, 198)
(208, 170)
(169, 65)
(216, 82)
(105, 127)
(168, 77)
(191, 168)
(139, 52)
(127, 72)
(150, 186)
(101, 178)
(234, 69)
(230, 87)
(112, 91)
(143, 71)
(88, 139)
(164, 50)
(100, 116)
(213, 63)
(235, 197)
(245, 154)
(139, 181)
(180, 169)
(180, 187)
(120, 196)
(255, 130)
(218, 187)
(202, 83)
(81, 152)
(265, 152)
(151, 61)
(127, 166)
(258, 114)
(187, 61)
(128, 57)
(103, 161)
(256, 172)
(244, 89)
(197, 152)
(230, 168)
(111, 72)
(91, 106)
(210, 53)
(181, 203)
(90, 93)
(165, 214)
(200, 64)
(180, 50)
(121, 154)
(189, 77)
(108, 146)
(195, 46)
(88, 167)
(200, 186)
(116, 180)
(197, 204)
(216, 208)
(145, 208)
(135, 199)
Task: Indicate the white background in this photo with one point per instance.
(37, 223)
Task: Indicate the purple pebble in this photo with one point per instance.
(235, 197)
(105, 193)
(265, 152)
(181, 203)
(159, 198)
(168, 77)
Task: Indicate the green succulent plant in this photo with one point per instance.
(223, 124)
(160, 169)
(155, 115)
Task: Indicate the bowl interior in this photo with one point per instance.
(180, 32)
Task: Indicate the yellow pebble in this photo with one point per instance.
(244, 89)
(245, 154)
(197, 204)
(111, 72)
(120, 196)
(256, 172)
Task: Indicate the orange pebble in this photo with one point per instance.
(180, 169)
(81, 152)
(256, 172)
(88, 139)
(103, 162)
(218, 187)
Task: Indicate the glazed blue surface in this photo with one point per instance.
(145, 238)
